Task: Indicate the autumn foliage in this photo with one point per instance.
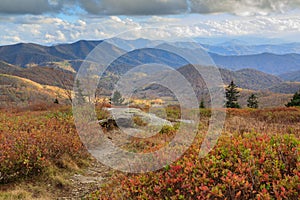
(260, 161)
(257, 156)
(32, 141)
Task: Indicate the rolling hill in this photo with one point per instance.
(56, 66)
(266, 62)
(286, 88)
(20, 91)
(41, 75)
(246, 78)
(250, 78)
(21, 85)
(25, 55)
(291, 76)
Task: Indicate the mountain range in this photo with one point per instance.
(263, 69)
(293, 76)
(272, 59)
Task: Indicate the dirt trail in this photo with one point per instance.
(87, 182)
(98, 174)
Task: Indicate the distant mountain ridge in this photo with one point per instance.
(266, 62)
(230, 56)
(27, 53)
(246, 78)
(286, 88)
(230, 49)
(291, 76)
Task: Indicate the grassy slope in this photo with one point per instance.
(20, 90)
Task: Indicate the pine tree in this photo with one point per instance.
(117, 99)
(202, 104)
(295, 101)
(232, 95)
(252, 101)
(56, 101)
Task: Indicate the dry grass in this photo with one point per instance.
(26, 192)
(19, 91)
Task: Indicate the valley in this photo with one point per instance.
(57, 66)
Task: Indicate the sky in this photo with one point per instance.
(51, 22)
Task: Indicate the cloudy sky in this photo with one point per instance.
(59, 21)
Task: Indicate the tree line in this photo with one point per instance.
(232, 95)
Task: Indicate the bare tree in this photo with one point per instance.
(66, 80)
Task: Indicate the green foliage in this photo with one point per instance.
(166, 129)
(295, 101)
(117, 99)
(232, 95)
(171, 112)
(252, 101)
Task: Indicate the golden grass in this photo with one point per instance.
(19, 193)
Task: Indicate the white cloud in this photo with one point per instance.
(160, 19)
(49, 30)
(49, 38)
(14, 39)
(115, 18)
(60, 36)
(35, 32)
(81, 23)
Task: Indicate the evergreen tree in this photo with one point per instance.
(232, 95)
(295, 101)
(252, 101)
(56, 101)
(117, 99)
(202, 104)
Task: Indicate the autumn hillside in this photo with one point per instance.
(18, 91)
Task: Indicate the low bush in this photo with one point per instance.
(139, 121)
(257, 157)
(255, 166)
(166, 129)
(32, 141)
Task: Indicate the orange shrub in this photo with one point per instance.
(257, 157)
(31, 141)
(252, 166)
